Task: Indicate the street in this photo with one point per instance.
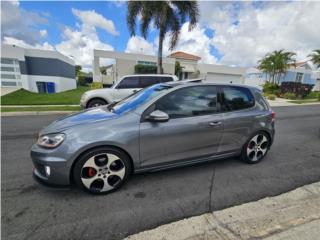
(32, 211)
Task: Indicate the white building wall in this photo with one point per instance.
(60, 83)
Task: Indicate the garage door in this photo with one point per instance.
(223, 78)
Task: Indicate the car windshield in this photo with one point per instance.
(137, 99)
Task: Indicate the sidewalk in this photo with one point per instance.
(292, 215)
(279, 102)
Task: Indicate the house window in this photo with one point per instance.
(147, 63)
(299, 77)
(8, 84)
(8, 76)
(7, 69)
(6, 61)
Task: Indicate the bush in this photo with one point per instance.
(271, 97)
(290, 95)
(271, 88)
(96, 85)
(313, 95)
(82, 80)
(145, 69)
(300, 90)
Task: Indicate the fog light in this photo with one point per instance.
(47, 170)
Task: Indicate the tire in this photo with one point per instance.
(102, 170)
(256, 148)
(96, 102)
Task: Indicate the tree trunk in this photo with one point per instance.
(159, 65)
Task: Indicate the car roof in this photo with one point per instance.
(184, 84)
(150, 75)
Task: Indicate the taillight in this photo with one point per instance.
(273, 116)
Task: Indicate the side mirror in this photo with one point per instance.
(158, 116)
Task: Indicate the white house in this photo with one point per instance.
(41, 71)
(124, 64)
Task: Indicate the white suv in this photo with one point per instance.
(121, 89)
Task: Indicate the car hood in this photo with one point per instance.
(84, 117)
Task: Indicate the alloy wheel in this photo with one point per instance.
(102, 172)
(257, 147)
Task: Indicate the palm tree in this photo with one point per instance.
(167, 16)
(315, 57)
(276, 64)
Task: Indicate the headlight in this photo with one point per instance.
(51, 140)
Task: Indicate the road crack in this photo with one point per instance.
(211, 206)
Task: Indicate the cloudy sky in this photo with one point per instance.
(232, 33)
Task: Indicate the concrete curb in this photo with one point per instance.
(292, 215)
(11, 114)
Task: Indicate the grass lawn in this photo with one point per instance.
(304, 101)
(40, 109)
(24, 97)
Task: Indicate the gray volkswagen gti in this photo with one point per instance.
(162, 126)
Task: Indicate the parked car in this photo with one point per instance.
(126, 86)
(162, 126)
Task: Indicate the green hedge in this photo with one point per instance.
(144, 69)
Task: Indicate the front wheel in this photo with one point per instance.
(102, 170)
(96, 103)
(256, 148)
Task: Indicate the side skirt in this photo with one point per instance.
(185, 162)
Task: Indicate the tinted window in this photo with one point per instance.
(129, 82)
(146, 81)
(190, 101)
(236, 98)
(166, 79)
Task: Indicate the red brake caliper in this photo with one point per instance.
(91, 172)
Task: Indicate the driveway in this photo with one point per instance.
(31, 211)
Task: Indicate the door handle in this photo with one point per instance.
(213, 124)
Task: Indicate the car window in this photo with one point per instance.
(129, 82)
(147, 81)
(236, 98)
(189, 102)
(166, 79)
(138, 99)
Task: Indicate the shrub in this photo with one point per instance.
(313, 95)
(271, 88)
(271, 97)
(298, 89)
(290, 95)
(82, 80)
(96, 85)
(145, 69)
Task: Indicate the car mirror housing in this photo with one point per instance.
(158, 116)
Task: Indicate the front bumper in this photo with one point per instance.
(59, 169)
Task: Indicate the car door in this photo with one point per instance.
(238, 113)
(194, 128)
(126, 87)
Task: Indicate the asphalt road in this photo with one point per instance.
(31, 211)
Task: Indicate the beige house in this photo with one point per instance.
(124, 63)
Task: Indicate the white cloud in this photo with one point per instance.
(91, 18)
(19, 23)
(194, 42)
(79, 44)
(21, 43)
(244, 33)
(43, 33)
(138, 44)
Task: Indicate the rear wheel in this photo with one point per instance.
(96, 103)
(256, 148)
(102, 170)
